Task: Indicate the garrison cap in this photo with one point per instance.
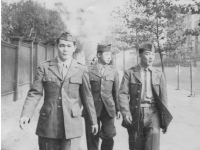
(147, 46)
(104, 48)
(66, 36)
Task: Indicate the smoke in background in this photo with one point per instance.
(88, 20)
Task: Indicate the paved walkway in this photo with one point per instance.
(183, 132)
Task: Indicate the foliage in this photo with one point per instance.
(28, 19)
(157, 21)
(133, 30)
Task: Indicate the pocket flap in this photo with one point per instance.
(156, 81)
(76, 110)
(76, 80)
(45, 111)
(93, 79)
(111, 78)
(49, 79)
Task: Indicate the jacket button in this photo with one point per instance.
(137, 99)
(43, 113)
(59, 106)
(138, 91)
(135, 106)
(59, 97)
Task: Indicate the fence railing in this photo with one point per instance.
(19, 60)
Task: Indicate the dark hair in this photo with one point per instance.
(94, 58)
(99, 53)
(141, 50)
(58, 40)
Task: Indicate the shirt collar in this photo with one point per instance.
(142, 68)
(100, 66)
(66, 63)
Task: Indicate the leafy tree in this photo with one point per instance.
(27, 18)
(156, 21)
(134, 22)
(175, 45)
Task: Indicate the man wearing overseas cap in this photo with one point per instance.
(143, 102)
(64, 83)
(104, 80)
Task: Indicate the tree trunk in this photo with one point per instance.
(159, 49)
(161, 59)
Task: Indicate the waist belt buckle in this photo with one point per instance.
(147, 104)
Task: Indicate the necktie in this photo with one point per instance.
(102, 70)
(147, 92)
(62, 70)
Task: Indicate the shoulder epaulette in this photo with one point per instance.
(80, 63)
(158, 70)
(45, 61)
(131, 68)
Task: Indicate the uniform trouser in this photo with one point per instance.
(106, 132)
(58, 144)
(150, 135)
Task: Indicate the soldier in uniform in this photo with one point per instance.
(104, 80)
(65, 84)
(143, 102)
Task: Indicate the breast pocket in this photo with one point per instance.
(109, 81)
(49, 83)
(74, 85)
(94, 83)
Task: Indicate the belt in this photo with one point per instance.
(147, 104)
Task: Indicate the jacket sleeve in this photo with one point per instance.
(124, 95)
(87, 98)
(34, 95)
(115, 91)
(163, 90)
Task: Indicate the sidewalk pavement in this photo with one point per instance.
(183, 132)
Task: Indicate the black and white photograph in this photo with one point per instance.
(100, 74)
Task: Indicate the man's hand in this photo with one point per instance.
(128, 118)
(118, 115)
(23, 122)
(95, 129)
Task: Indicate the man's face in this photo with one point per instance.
(105, 57)
(147, 58)
(65, 49)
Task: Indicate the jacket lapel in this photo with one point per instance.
(53, 66)
(107, 71)
(136, 72)
(95, 71)
(72, 70)
(155, 78)
(155, 81)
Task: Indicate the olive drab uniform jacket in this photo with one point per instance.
(63, 98)
(130, 97)
(105, 89)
